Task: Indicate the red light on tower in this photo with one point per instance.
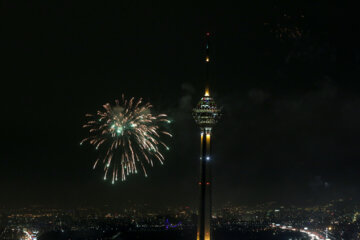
(207, 34)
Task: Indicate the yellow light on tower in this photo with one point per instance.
(207, 59)
(207, 92)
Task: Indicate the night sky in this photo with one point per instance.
(285, 72)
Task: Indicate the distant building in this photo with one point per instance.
(3, 223)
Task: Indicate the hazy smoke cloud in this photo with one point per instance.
(185, 102)
(318, 183)
(258, 95)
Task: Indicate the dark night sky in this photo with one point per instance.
(290, 129)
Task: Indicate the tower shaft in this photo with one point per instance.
(205, 207)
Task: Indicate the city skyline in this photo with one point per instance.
(335, 219)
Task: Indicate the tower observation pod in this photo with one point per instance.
(206, 115)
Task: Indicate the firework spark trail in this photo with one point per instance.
(127, 135)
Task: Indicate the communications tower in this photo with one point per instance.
(206, 115)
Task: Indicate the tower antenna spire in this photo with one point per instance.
(207, 63)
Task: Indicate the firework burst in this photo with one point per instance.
(127, 136)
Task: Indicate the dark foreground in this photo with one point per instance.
(173, 235)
